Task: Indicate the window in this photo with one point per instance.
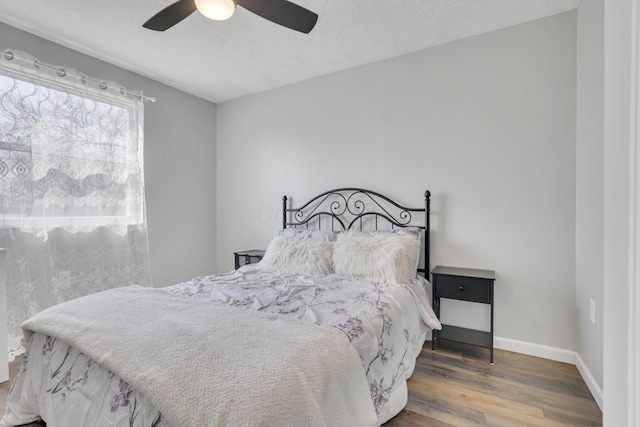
(72, 211)
(70, 156)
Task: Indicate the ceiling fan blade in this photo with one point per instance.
(282, 12)
(171, 15)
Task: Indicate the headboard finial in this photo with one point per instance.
(284, 211)
(427, 194)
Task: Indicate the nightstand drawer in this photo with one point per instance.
(463, 288)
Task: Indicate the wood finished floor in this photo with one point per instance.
(456, 386)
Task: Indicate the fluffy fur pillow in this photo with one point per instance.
(308, 257)
(379, 257)
(412, 231)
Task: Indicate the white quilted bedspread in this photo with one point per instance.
(312, 369)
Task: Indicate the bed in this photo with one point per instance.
(323, 331)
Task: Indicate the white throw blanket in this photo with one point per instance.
(205, 365)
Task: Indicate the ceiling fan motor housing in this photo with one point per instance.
(218, 10)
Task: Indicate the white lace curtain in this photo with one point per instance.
(72, 211)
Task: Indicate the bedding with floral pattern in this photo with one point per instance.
(386, 323)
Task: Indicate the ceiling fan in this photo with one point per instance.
(281, 12)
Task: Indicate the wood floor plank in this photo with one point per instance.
(486, 403)
(503, 381)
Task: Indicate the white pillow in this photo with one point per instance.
(379, 257)
(307, 257)
(412, 231)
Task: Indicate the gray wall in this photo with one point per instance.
(590, 186)
(487, 124)
(180, 152)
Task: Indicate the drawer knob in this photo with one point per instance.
(461, 288)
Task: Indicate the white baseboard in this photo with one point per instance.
(546, 352)
(594, 388)
(554, 353)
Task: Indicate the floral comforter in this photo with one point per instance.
(385, 323)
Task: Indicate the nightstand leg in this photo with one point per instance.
(491, 296)
(436, 308)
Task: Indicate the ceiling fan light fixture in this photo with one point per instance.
(218, 10)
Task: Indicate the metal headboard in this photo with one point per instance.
(356, 208)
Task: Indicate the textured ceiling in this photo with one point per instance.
(219, 61)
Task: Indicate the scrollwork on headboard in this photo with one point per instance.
(348, 208)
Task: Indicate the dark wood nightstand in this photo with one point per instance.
(463, 284)
(247, 257)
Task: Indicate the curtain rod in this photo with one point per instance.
(61, 72)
